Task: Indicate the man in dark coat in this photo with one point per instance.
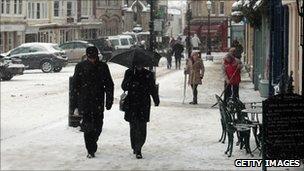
(178, 49)
(140, 84)
(92, 81)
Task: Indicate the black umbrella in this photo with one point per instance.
(135, 56)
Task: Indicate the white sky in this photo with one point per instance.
(176, 3)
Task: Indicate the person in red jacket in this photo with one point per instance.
(232, 73)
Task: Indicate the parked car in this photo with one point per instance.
(45, 56)
(76, 50)
(122, 41)
(10, 68)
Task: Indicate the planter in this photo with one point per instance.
(264, 88)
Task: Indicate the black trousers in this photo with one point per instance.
(194, 91)
(91, 138)
(138, 134)
(178, 62)
(169, 62)
(231, 91)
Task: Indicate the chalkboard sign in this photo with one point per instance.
(283, 123)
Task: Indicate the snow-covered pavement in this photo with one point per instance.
(35, 135)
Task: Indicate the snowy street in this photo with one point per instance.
(35, 133)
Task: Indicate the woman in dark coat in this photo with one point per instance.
(140, 84)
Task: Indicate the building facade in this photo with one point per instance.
(219, 21)
(55, 21)
(12, 24)
(110, 13)
(285, 48)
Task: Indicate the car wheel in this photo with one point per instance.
(7, 77)
(57, 69)
(47, 66)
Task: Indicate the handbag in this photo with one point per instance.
(124, 102)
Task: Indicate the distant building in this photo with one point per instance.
(174, 22)
(219, 19)
(55, 21)
(110, 13)
(12, 24)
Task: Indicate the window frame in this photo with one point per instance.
(222, 7)
(56, 9)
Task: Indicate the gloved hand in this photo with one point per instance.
(156, 103)
(109, 106)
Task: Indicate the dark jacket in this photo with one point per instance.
(140, 85)
(178, 49)
(90, 84)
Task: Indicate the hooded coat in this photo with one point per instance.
(140, 85)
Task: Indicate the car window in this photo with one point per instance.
(114, 42)
(80, 46)
(37, 49)
(20, 50)
(131, 41)
(67, 46)
(124, 42)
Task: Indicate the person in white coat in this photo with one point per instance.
(195, 42)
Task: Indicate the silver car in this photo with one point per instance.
(76, 50)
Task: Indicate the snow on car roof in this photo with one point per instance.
(47, 46)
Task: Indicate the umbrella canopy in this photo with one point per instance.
(136, 56)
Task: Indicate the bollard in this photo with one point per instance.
(73, 120)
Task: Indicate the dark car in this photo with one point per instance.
(10, 68)
(45, 56)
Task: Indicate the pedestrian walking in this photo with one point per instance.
(107, 51)
(195, 42)
(196, 69)
(140, 84)
(169, 58)
(92, 85)
(238, 49)
(178, 49)
(231, 68)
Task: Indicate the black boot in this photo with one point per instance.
(138, 155)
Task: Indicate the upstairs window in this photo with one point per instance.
(56, 8)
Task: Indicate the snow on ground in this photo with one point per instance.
(35, 135)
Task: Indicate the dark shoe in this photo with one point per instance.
(90, 156)
(193, 103)
(134, 152)
(139, 156)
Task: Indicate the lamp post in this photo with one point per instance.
(189, 17)
(151, 25)
(208, 35)
(300, 6)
